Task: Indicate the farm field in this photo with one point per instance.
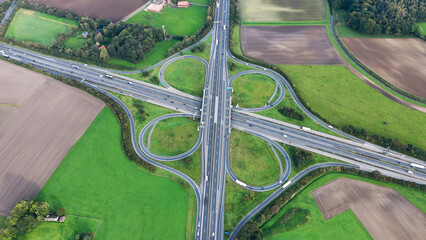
(107, 9)
(398, 61)
(289, 45)
(384, 212)
(186, 75)
(282, 10)
(252, 90)
(342, 226)
(252, 160)
(109, 178)
(40, 133)
(340, 97)
(32, 26)
(157, 54)
(174, 136)
(177, 21)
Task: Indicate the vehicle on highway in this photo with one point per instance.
(305, 129)
(284, 135)
(206, 201)
(130, 82)
(415, 165)
(410, 172)
(109, 76)
(101, 75)
(75, 66)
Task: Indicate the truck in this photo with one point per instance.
(108, 76)
(286, 184)
(305, 129)
(415, 165)
(240, 183)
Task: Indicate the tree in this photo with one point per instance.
(104, 56)
(60, 212)
(99, 37)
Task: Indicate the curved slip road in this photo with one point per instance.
(273, 77)
(153, 123)
(281, 190)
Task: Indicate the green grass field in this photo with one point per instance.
(67, 230)
(192, 167)
(174, 136)
(343, 226)
(340, 97)
(285, 23)
(2, 219)
(252, 90)
(235, 206)
(177, 21)
(236, 42)
(204, 54)
(75, 42)
(206, 2)
(186, 75)
(31, 26)
(157, 54)
(252, 160)
(96, 180)
(149, 79)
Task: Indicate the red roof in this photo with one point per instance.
(183, 4)
(101, 47)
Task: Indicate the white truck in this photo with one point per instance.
(241, 183)
(305, 129)
(286, 184)
(415, 165)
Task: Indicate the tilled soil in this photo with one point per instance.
(289, 45)
(35, 139)
(384, 212)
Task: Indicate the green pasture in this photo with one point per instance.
(186, 75)
(252, 90)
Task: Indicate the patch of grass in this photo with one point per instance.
(252, 90)
(177, 21)
(154, 56)
(252, 160)
(174, 136)
(67, 230)
(75, 42)
(292, 219)
(149, 78)
(343, 226)
(190, 166)
(204, 54)
(340, 97)
(95, 177)
(2, 220)
(186, 75)
(239, 202)
(31, 26)
(206, 2)
(236, 42)
(347, 32)
(238, 68)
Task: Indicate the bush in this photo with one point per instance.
(84, 236)
(291, 113)
(232, 66)
(301, 157)
(60, 212)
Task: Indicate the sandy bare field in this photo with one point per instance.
(293, 45)
(36, 137)
(282, 10)
(399, 61)
(6, 111)
(384, 212)
(108, 9)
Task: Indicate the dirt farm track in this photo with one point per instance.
(40, 120)
(399, 61)
(384, 212)
(109, 9)
(293, 45)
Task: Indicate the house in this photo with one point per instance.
(85, 34)
(51, 218)
(183, 4)
(101, 47)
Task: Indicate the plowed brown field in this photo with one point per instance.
(292, 45)
(384, 212)
(109, 9)
(36, 136)
(400, 61)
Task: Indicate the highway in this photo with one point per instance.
(217, 118)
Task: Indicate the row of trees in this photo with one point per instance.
(252, 229)
(24, 217)
(130, 42)
(394, 17)
(393, 144)
(291, 113)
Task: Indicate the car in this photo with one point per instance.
(75, 66)
(101, 76)
(250, 125)
(410, 172)
(130, 83)
(285, 135)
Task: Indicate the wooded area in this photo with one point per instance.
(390, 17)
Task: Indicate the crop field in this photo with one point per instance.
(345, 225)
(252, 160)
(252, 90)
(398, 61)
(107, 9)
(174, 136)
(343, 99)
(384, 212)
(111, 182)
(40, 132)
(177, 21)
(32, 26)
(289, 45)
(186, 75)
(282, 10)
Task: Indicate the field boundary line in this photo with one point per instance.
(285, 23)
(130, 15)
(56, 21)
(97, 219)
